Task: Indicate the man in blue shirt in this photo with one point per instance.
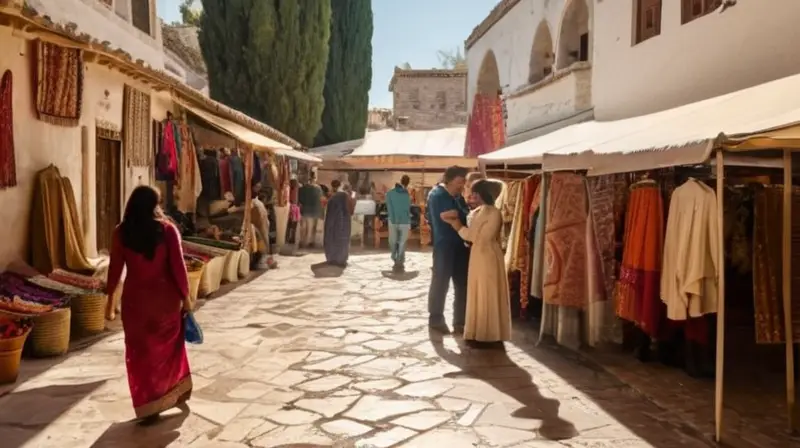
(450, 254)
(398, 204)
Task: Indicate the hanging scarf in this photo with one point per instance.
(8, 165)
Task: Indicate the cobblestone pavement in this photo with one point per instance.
(291, 360)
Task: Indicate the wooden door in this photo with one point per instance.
(108, 167)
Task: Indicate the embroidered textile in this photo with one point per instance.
(565, 242)
(58, 80)
(601, 207)
(8, 165)
(136, 127)
(486, 128)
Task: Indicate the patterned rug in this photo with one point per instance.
(8, 165)
(136, 128)
(59, 84)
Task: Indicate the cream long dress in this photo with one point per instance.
(488, 317)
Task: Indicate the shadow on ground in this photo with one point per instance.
(160, 434)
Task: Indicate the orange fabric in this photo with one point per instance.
(637, 292)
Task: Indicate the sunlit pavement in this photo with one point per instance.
(291, 360)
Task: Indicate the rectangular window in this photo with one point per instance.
(583, 52)
(141, 15)
(694, 9)
(648, 20)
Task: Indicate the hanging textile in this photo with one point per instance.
(237, 177)
(136, 118)
(689, 278)
(512, 249)
(565, 242)
(8, 164)
(58, 81)
(282, 186)
(209, 175)
(530, 203)
(225, 174)
(637, 290)
(256, 169)
(601, 209)
(168, 158)
(189, 185)
(767, 266)
(538, 266)
(486, 127)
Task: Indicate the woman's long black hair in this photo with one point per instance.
(141, 229)
(485, 190)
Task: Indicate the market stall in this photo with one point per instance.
(624, 186)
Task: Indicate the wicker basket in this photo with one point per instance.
(10, 356)
(244, 263)
(194, 284)
(50, 335)
(88, 313)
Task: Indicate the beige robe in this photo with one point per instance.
(488, 317)
(689, 268)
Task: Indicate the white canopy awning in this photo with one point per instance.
(447, 142)
(679, 136)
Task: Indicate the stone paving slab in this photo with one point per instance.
(291, 360)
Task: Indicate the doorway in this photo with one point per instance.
(108, 179)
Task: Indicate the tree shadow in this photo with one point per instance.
(512, 380)
(160, 434)
(24, 414)
(400, 276)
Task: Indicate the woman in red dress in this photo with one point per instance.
(153, 302)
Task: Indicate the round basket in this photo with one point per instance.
(10, 357)
(194, 284)
(88, 313)
(50, 335)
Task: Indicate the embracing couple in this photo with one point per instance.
(466, 250)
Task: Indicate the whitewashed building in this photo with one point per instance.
(538, 55)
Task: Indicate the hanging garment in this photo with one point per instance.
(225, 175)
(136, 116)
(189, 185)
(601, 209)
(689, 279)
(538, 266)
(256, 169)
(767, 266)
(209, 175)
(8, 164)
(637, 290)
(514, 236)
(58, 84)
(168, 157)
(237, 178)
(565, 242)
(530, 189)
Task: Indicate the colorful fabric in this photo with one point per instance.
(56, 235)
(768, 266)
(190, 185)
(529, 207)
(15, 285)
(48, 283)
(8, 164)
(136, 127)
(601, 208)
(565, 242)
(77, 280)
(237, 178)
(58, 81)
(225, 175)
(167, 163)
(486, 128)
(337, 229)
(155, 350)
(638, 288)
(213, 243)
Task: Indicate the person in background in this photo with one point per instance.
(471, 179)
(155, 296)
(398, 204)
(338, 222)
(450, 254)
(294, 215)
(310, 198)
(260, 219)
(488, 315)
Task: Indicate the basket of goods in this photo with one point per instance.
(48, 309)
(194, 269)
(212, 270)
(88, 306)
(13, 333)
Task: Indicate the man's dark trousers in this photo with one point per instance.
(450, 262)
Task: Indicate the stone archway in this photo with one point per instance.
(542, 56)
(573, 38)
(489, 76)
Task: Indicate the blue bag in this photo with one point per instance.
(192, 331)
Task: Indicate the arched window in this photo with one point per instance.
(573, 39)
(542, 57)
(489, 75)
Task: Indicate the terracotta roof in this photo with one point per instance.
(26, 17)
(190, 56)
(426, 73)
(497, 13)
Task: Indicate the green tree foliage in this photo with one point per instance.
(268, 59)
(452, 59)
(189, 14)
(349, 74)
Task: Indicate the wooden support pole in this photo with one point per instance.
(248, 198)
(720, 361)
(787, 285)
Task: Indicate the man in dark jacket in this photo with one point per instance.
(310, 198)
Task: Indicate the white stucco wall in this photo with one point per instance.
(511, 39)
(38, 144)
(748, 44)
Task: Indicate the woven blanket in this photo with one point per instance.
(8, 165)
(77, 280)
(136, 128)
(58, 81)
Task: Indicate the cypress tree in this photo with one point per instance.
(268, 59)
(349, 74)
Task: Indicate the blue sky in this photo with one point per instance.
(405, 31)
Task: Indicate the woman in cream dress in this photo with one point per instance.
(488, 317)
